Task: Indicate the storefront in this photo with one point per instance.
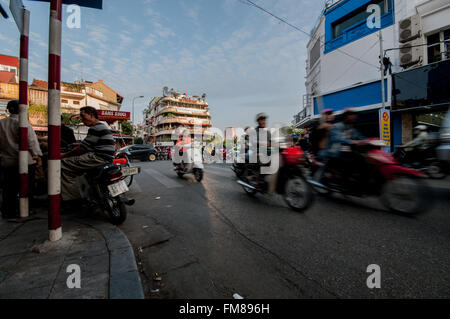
(420, 96)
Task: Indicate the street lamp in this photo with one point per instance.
(137, 97)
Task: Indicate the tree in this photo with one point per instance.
(127, 128)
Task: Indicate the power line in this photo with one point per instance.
(302, 31)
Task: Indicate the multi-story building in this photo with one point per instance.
(168, 113)
(73, 97)
(343, 65)
(9, 74)
(9, 69)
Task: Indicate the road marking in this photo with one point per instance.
(163, 179)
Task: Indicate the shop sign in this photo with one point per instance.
(385, 127)
(113, 115)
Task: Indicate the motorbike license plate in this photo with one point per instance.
(118, 188)
(128, 171)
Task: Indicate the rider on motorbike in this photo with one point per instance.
(342, 137)
(414, 148)
(182, 145)
(95, 150)
(263, 140)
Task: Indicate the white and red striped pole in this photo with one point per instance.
(23, 116)
(54, 121)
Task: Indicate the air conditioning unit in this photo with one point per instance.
(411, 53)
(410, 29)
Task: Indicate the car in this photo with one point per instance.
(143, 152)
(443, 150)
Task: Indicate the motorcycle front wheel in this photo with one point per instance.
(116, 210)
(198, 174)
(298, 193)
(436, 170)
(404, 195)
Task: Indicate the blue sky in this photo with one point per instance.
(244, 60)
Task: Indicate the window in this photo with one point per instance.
(447, 44)
(357, 16)
(314, 55)
(434, 48)
(438, 46)
(64, 101)
(76, 102)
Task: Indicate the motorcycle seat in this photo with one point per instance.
(97, 171)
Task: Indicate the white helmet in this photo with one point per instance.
(421, 128)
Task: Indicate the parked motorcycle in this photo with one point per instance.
(128, 171)
(290, 180)
(103, 187)
(192, 163)
(400, 189)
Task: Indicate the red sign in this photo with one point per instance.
(105, 115)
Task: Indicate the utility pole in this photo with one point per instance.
(383, 93)
(132, 124)
(384, 115)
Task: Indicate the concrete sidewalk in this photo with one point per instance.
(31, 267)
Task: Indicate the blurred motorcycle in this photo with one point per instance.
(290, 180)
(400, 189)
(424, 160)
(192, 162)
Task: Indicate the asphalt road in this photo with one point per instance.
(211, 240)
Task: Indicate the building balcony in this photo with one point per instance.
(183, 110)
(182, 120)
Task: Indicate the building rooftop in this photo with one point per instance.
(7, 77)
(9, 60)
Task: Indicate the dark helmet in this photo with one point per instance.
(349, 111)
(261, 116)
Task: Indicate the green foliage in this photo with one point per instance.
(67, 117)
(138, 140)
(127, 128)
(289, 130)
(37, 109)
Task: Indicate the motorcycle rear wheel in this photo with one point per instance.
(128, 179)
(404, 195)
(116, 210)
(298, 193)
(198, 174)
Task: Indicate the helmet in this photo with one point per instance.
(421, 128)
(327, 111)
(261, 116)
(350, 111)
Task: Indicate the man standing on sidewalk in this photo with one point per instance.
(95, 150)
(9, 149)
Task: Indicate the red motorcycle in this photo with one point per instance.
(290, 180)
(399, 188)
